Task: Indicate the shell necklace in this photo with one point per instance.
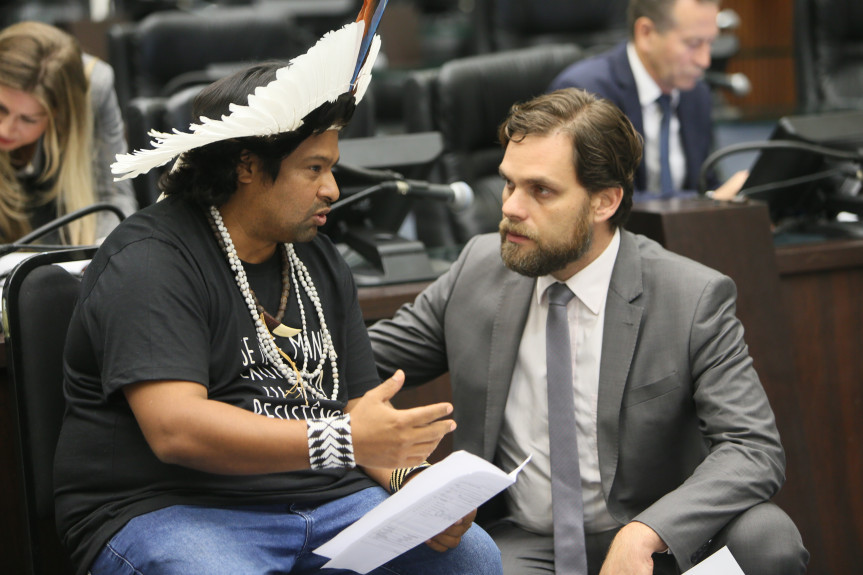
(301, 378)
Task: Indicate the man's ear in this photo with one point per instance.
(605, 203)
(246, 167)
(642, 31)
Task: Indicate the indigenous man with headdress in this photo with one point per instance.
(224, 410)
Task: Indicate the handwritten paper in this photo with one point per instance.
(428, 504)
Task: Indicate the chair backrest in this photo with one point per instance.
(149, 54)
(164, 115)
(594, 25)
(828, 54)
(38, 300)
(470, 98)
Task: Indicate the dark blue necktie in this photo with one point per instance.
(570, 556)
(665, 184)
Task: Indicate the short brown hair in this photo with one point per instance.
(606, 148)
(659, 11)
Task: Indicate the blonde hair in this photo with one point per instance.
(47, 63)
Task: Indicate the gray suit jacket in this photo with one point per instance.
(686, 437)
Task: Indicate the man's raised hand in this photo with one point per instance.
(387, 437)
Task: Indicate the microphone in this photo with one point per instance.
(458, 195)
(737, 83)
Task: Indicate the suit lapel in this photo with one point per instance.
(631, 106)
(510, 317)
(620, 335)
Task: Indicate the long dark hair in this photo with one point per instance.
(208, 175)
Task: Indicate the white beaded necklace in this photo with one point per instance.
(302, 379)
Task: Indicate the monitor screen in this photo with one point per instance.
(802, 184)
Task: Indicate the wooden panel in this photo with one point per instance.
(766, 57)
(822, 293)
(765, 23)
(773, 92)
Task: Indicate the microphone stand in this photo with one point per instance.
(714, 158)
(389, 257)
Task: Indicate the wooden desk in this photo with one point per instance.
(822, 295)
(381, 302)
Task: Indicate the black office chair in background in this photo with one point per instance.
(38, 300)
(594, 25)
(466, 100)
(828, 54)
(150, 57)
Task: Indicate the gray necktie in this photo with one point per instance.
(570, 557)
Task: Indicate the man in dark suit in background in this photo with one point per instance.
(661, 65)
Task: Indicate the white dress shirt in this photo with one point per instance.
(525, 426)
(651, 114)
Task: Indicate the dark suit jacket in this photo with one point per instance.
(608, 75)
(685, 434)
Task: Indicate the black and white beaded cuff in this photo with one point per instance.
(330, 443)
(400, 475)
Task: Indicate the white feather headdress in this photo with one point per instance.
(332, 67)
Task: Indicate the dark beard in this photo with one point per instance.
(545, 259)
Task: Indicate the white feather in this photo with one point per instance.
(320, 75)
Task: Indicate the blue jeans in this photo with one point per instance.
(258, 539)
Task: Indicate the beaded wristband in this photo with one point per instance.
(330, 443)
(398, 476)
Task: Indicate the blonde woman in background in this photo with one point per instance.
(60, 129)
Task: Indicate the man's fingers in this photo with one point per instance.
(443, 541)
(436, 546)
(426, 414)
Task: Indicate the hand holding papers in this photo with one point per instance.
(428, 504)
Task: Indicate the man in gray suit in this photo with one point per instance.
(677, 445)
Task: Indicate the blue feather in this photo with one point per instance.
(368, 36)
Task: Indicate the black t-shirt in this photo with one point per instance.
(159, 302)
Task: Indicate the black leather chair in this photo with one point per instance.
(466, 101)
(594, 25)
(38, 299)
(148, 55)
(828, 54)
(161, 114)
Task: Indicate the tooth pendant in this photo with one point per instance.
(282, 330)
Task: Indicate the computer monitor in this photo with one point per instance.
(816, 180)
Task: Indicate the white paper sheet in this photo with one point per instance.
(720, 563)
(432, 501)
